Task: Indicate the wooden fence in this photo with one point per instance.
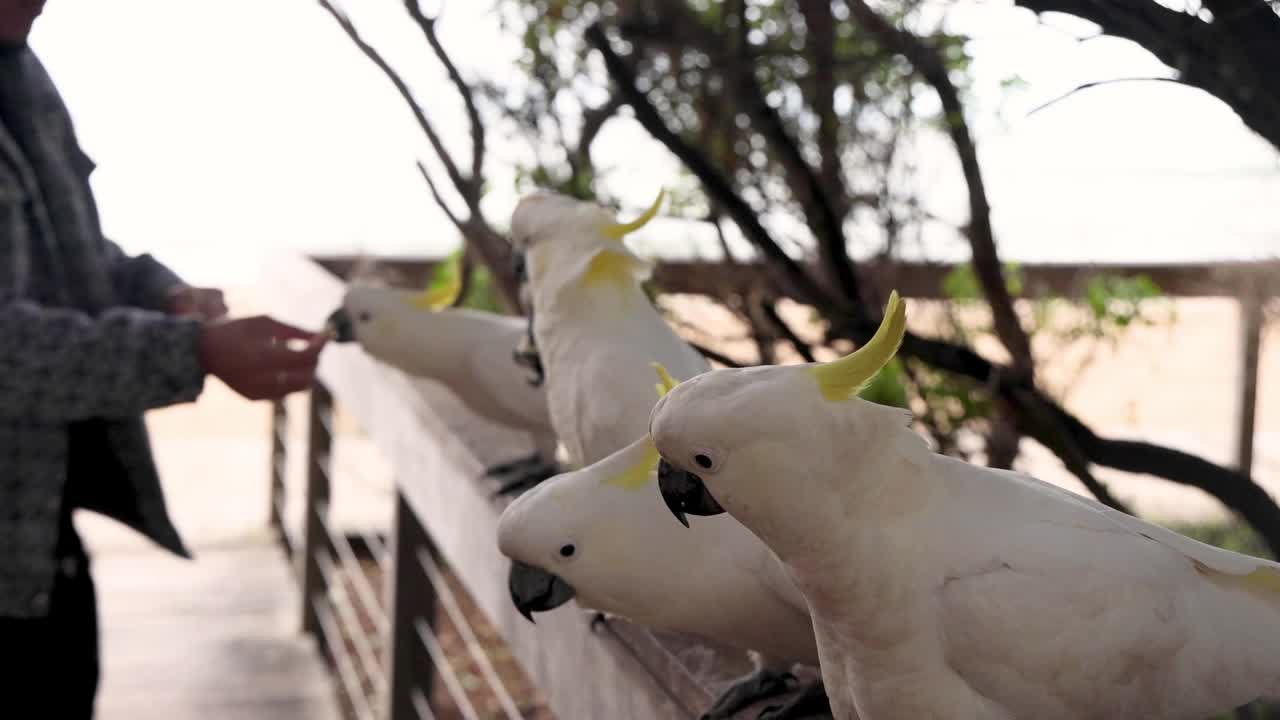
(1251, 284)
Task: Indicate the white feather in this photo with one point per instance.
(943, 589)
(469, 351)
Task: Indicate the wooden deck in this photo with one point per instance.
(211, 639)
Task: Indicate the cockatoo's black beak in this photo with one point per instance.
(684, 493)
(535, 590)
(339, 326)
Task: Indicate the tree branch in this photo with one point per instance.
(717, 357)
(1222, 58)
(424, 122)
(466, 266)
(1233, 489)
(1098, 83)
(593, 120)
(715, 184)
(435, 194)
(490, 247)
(428, 27)
(821, 26)
(1237, 491)
(986, 262)
(816, 200)
(801, 347)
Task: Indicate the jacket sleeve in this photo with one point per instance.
(60, 365)
(140, 280)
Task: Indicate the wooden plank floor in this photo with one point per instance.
(216, 638)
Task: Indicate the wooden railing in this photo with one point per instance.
(385, 656)
(1250, 283)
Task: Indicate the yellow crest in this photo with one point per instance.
(666, 383)
(841, 379)
(617, 231)
(612, 267)
(439, 297)
(638, 475)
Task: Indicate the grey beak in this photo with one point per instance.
(684, 493)
(339, 324)
(536, 590)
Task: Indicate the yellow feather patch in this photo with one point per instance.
(608, 267)
(638, 475)
(839, 380)
(666, 383)
(1263, 581)
(439, 297)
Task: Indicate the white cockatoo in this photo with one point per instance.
(940, 589)
(594, 327)
(597, 334)
(602, 534)
(469, 351)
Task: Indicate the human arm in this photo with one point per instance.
(63, 365)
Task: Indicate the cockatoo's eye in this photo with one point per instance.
(364, 316)
(705, 460)
(568, 550)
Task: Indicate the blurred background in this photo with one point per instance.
(1085, 200)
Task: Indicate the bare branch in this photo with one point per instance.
(1233, 58)
(1049, 429)
(1235, 490)
(428, 27)
(714, 183)
(490, 247)
(435, 194)
(466, 267)
(717, 357)
(593, 120)
(401, 87)
(1098, 83)
(816, 199)
(821, 26)
(986, 262)
(801, 347)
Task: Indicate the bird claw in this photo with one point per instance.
(810, 702)
(531, 361)
(528, 473)
(598, 621)
(761, 684)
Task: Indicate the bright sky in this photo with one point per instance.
(222, 129)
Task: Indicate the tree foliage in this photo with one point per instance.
(794, 123)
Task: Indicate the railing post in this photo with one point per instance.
(316, 503)
(1250, 302)
(279, 467)
(411, 599)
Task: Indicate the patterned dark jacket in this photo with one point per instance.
(85, 349)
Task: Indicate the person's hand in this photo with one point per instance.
(205, 303)
(253, 356)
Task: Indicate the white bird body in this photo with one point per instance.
(598, 336)
(595, 329)
(940, 589)
(469, 351)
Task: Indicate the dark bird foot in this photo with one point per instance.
(531, 361)
(810, 702)
(761, 684)
(599, 621)
(522, 474)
